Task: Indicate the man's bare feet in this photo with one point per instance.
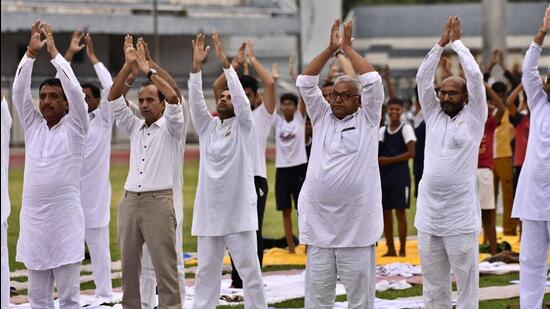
(390, 253)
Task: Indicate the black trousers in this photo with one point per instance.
(261, 192)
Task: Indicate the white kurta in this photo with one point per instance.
(95, 184)
(51, 221)
(225, 202)
(532, 201)
(340, 201)
(6, 126)
(263, 121)
(290, 140)
(447, 202)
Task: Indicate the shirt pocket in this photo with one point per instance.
(461, 135)
(349, 140)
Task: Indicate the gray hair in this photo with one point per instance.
(350, 80)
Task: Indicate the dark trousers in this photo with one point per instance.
(261, 192)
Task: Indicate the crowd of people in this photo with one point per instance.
(342, 160)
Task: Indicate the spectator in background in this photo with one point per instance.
(485, 166)
(503, 164)
(397, 146)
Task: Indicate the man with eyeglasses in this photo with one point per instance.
(448, 211)
(340, 214)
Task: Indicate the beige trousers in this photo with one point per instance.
(148, 217)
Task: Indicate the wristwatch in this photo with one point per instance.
(151, 72)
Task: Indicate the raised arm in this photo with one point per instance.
(511, 99)
(372, 96)
(101, 71)
(308, 81)
(387, 80)
(161, 71)
(78, 109)
(125, 119)
(200, 116)
(74, 46)
(239, 61)
(241, 104)
(21, 91)
(162, 85)
(497, 101)
(267, 81)
(346, 64)
(474, 77)
(531, 78)
(426, 73)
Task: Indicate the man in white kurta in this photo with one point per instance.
(340, 213)
(95, 184)
(448, 212)
(532, 201)
(225, 204)
(51, 235)
(6, 127)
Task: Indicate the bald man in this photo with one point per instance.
(448, 212)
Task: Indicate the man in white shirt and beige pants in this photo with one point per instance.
(225, 213)
(51, 234)
(340, 213)
(532, 202)
(146, 213)
(448, 211)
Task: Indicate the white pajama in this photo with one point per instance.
(148, 281)
(5, 292)
(533, 191)
(354, 266)
(441, 255)
(66, 278)
(535, 240)
(242, 247)
(97, 240)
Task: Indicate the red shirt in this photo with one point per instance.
(485, 157)
(521, 131)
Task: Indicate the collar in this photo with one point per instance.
(159, 123)
(348, 117)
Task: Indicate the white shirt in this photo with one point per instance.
(532, 201)
(407, 132)
(6, 126)
(447, 202)
(225, 202)
(51, 231)
(152, 148)
(290, 140)
(340, 201)
(263, 120)
(95, 185)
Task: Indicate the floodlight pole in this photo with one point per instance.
(493, 23)
(156, 31)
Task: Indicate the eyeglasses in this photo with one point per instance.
(443, 93)
(343, 96)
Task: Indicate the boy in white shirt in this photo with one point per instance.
(225, 213)
(291, 159)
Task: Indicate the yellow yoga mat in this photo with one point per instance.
(278, 256)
